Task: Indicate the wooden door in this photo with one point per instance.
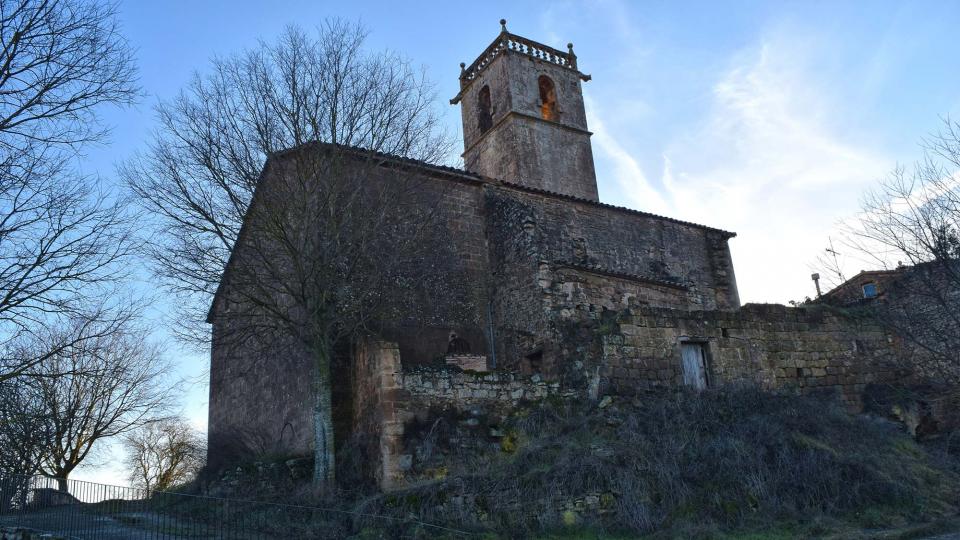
(694, 365)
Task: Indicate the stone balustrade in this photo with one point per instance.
(518, 44)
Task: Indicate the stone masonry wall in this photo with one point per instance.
(619, 241)
(377, 385)
(429, 416)
(556, 159)
(486, 284)
(451, 292)
(393, 406)
(259, 403)
(547, 251)
(776, 347)
(448, 414)
(569, 288)
(450, 388)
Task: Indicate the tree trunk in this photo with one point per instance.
(323, 457)
(62, 484)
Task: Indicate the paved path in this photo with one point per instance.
(91, 526)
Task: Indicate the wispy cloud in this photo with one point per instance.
(627, 172)
(772, 160)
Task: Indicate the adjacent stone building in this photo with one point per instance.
(556, 293)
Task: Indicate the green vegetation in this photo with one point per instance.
(736, 464)
(733, 464)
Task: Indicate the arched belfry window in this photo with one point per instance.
(484, 110)
(548, 98)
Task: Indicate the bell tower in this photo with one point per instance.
(523, 116)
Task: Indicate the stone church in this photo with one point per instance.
(573, 296)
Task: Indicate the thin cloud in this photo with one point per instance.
(626, 171)
(771, 160)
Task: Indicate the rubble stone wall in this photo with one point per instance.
(394, 407)
(446, 388)
(548, 250)
(776, 347)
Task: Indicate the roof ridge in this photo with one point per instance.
(476, 176)
(378, 153)
(611, 206)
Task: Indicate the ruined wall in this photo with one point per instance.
(435, 415)
(551, 253)
(376, 390)
(411, 419)
(456, 389)
(773, 346)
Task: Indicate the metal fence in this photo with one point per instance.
(87, 510)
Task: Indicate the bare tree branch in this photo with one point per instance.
(164, 453)
(61, 236)
(911, 222)
(60, 60)
(97, 388)
(199, 174)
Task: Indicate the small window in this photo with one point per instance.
(870, 290)
(457, 345)
(484, 110)
(548, 98)
(534, 362)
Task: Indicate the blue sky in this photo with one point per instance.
(765, 118)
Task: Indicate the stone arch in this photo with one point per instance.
(548, 98)
(484, 110)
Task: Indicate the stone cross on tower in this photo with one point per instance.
(523, 117)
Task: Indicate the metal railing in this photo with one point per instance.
(86, 510)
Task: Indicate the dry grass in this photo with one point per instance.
(719, 464)
(691, 465)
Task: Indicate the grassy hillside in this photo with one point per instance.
(719, 464)
(716, 464)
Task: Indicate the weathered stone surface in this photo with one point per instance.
(806, 349)
(553, 293)
(556, 154)
(468, 362)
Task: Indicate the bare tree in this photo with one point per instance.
(60, 60)
(202, 167)
(95, 388)
(324, 246)
(335, 246)
(911, 221)
(24, 430)
(60, 234)
(164, 453)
